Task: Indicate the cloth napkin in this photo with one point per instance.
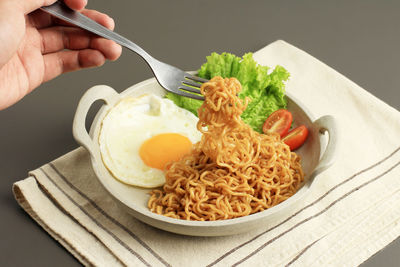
(352, 211)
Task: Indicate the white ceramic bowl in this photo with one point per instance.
(134, 199)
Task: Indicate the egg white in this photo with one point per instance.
(130, 123)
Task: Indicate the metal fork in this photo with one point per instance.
(169, 77)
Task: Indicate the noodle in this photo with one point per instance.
(233, 171)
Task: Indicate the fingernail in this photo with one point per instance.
(112, 23)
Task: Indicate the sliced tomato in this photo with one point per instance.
(296, 137)
(279, 122)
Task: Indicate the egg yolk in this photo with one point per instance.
(163, 148)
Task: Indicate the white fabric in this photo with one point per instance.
(352, 212)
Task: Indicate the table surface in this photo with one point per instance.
(360, 39)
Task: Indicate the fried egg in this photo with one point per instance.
(140, 135)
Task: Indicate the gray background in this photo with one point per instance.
(360, 39)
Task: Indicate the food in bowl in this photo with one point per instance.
(233, 171)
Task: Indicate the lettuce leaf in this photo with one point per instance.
(266, 90)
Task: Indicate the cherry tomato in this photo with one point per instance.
(296, 137)
(279, 121)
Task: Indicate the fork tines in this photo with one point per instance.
(195, 78)
(192, 84)
(186, 94)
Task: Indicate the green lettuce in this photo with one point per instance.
(266, 90)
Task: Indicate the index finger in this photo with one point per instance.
(30, 5)
(76, 4)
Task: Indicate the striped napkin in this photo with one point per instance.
(352, 211)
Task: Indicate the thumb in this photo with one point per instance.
(27, 6)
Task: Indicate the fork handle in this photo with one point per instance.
(61, 11)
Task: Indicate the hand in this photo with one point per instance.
(35, 47)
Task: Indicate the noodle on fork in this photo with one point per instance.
(233, 171)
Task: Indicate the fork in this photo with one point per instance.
(169, 77)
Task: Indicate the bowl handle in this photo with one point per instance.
(98, 92)
(327, 124)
